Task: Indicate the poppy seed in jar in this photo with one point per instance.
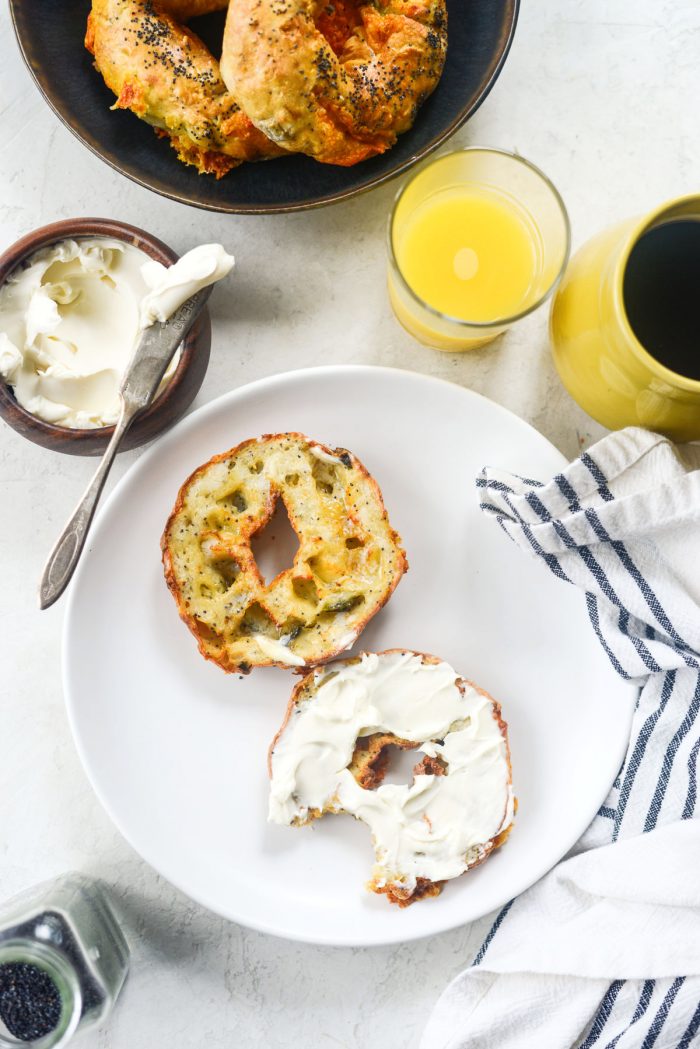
(30, 1002)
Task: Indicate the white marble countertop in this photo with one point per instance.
(602, 94)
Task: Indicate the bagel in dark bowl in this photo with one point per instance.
(51, 37)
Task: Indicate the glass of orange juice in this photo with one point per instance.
(477, 239)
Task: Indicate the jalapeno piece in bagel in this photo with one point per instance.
(338, 80)
(164, 73)
(347, 565)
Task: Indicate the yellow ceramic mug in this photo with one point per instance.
(601, 362)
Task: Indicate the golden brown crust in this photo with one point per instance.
(424, 888)
(370, 761)
(336, 81)
(162, 72)
(183, 10)
(348, 564)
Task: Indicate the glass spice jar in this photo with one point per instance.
(63, 962)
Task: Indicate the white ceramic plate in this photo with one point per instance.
(176, 749)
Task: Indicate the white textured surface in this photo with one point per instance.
(602, 96)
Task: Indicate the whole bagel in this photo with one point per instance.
(163, 73)
(338, 81)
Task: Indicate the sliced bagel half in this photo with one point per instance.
(347, 566)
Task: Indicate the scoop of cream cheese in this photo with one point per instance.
(435, 827)
(72, 316)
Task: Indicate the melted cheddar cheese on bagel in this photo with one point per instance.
(347, 566)
(336, 80)
(162, 72)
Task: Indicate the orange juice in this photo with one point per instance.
(470, 253)
(477, 239)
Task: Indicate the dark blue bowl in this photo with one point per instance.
(51, 34)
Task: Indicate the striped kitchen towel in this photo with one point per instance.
(604, 951)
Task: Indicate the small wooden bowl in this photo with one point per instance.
(173, 400)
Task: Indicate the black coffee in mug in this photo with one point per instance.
(661, 291)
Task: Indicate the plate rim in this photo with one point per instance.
(313, 936)
(335, 197)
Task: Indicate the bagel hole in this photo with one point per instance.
(325, 476)
(401, 765)
(353, 543)
(235, 501)
(323, 569)
(382, 758)
(292, 480)
(256, 467)
(305, 590)
(257, 620)
(227, 569)
(276, 545)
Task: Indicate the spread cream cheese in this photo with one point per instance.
(434, 828)
(323, 455)
(277, 650)
(72, 316)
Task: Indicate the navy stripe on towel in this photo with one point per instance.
(653, 603)
(568, 492)
(662, 1013)
(640, 747)
(530, 481)
(669, 758)
(691, 1030)
(603, 1014)
(598, 476)
(640, 648)
(498, 510)
(497, 486)
(607, 589)
(692, 796)
(642, 1006)
(598, 574)
(592, 606)
(550, 560)
(492, 932)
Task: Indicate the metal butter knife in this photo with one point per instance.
(143, 377)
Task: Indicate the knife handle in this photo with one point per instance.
(66, 553)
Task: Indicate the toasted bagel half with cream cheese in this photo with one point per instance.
(332, 751)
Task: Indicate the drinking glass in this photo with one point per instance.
(513, 186)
